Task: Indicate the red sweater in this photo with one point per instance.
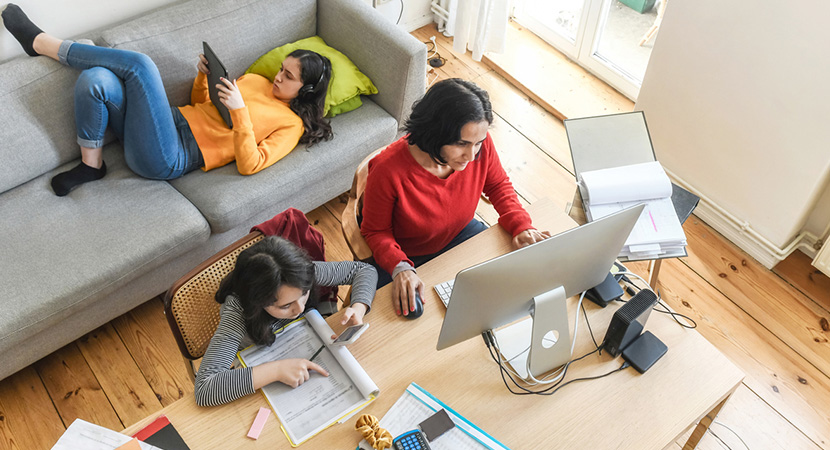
(409, 211)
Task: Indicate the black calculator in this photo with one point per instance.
(411, 440)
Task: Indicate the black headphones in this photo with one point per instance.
(310, 87)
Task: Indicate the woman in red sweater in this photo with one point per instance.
(422, 191)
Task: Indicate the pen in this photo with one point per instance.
(317, 352)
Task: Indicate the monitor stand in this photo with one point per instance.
(545, 334)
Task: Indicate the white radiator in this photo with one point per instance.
(444, 11)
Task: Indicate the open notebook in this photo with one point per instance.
(658, 232)
(616, 167)
(321, 401)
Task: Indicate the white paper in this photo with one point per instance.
(636, 182)
(358, 375)
(88, 436)
(313, 406)
(415, 406)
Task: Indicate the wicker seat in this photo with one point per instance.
(351, 214)
(189, 305)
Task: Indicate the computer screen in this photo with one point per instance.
(502, 290)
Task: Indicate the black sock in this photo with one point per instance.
(21, 27)
(62, 183)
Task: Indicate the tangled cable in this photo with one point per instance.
(376, 436)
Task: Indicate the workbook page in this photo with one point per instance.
(319, 402)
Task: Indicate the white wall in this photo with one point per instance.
(74, 18)
(77, 17)
(736, 99)
(416, 13)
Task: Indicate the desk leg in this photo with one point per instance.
(653, 272)
(703, 425)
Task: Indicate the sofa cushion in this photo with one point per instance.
(62, 254)
(239, 31)
(305, 179)
(37, 126)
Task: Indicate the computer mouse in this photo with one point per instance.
(419, 307)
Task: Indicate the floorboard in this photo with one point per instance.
(147, 337)
(779, 307)
(74, 388)
(797, 270)
(120, 377)
(28, 419)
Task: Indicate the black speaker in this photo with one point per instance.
(628, 322)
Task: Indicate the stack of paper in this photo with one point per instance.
(658, 233)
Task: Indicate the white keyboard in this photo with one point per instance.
(444, 290)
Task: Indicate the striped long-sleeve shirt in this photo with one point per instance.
(216, 382)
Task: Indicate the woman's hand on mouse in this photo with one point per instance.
(229, 94)
(529, 236)
(403, 291)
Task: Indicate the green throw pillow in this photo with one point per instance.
(347, 82)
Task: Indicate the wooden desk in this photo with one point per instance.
(624, 410)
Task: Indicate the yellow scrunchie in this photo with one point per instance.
(376, 436)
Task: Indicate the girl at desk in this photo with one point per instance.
(422, 191)
(272, 284)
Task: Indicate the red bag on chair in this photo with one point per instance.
(293, 225)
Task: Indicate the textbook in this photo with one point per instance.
(416, 405)
(321, 401)
(658, 232)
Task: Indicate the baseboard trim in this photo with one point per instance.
(743, 235)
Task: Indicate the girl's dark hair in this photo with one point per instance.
(310, 102)
(260, 271)
(437, 118)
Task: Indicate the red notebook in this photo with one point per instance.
(162, 434)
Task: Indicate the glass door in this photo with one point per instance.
(611, 38)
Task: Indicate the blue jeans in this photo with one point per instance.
(470, 230)
(123, 89)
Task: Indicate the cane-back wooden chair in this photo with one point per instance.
(192, 312)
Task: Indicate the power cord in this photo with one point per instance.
(665, 310)
(733, 432)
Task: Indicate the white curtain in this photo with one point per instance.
(478, 25)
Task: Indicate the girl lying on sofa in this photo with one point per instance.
(272, 284)
(123, 89)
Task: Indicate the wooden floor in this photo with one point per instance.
(773, 325)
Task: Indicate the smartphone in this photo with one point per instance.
(350, 334)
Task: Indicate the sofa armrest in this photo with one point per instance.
(393, 59)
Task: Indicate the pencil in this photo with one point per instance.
(317, 353)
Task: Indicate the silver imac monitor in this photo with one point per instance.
(535, 280)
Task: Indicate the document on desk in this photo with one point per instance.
(416, 405)
(88, 436)
(321, 401)
(658, 232)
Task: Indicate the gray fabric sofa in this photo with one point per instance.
(69, 265)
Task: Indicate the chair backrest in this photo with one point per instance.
(354, 206)
(189, 305)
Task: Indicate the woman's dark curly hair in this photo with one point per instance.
(437, 118)
(260, 271)
(310, 102)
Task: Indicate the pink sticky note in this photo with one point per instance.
(259, 423)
